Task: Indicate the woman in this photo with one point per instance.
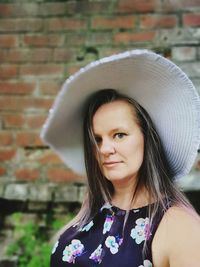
(138, 137)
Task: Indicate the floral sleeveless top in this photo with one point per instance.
(114, 238)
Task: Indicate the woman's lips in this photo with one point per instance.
(111, 163)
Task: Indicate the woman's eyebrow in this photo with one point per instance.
(118, 129)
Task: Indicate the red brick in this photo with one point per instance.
(100, 38)
(65, 24)
(197, 167)
(93, 7)
(3, 55)
(63, 55)
(7, 154)
(73, 7)
(44, 40)
(2, 171)
(14, 55)
(42, 69)
(48, 9)
(52, 9)
(50, 158)
(171, 6)
(134, 37)
(28, 139)
(13, 120)
(35, 121)
(40, 55)
(19, 121)
(73, 68)
(76, 39)
(50, 87)
(8, 71)
(26, 55)
(22, 88)
(125, 22)
(6, 138)
(110, 51)
(6, 10)
(189, 3)
(21, 25)
(27, 174)
(17, 103)
(59, 175)
(155, 21)
(8, 41)
(191, 20)
(18, 9)
(136, 5)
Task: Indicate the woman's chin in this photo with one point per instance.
(115, 177)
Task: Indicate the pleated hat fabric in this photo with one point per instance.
(155, 82)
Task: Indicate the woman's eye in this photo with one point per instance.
(98, 140)
(119, 135)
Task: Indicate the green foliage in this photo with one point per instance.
(58, 224)
(31, 243)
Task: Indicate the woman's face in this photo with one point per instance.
(120, 141)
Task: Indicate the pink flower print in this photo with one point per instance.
(108, 223)
(147, 231)
(112, 244)
(55, 247)
(87, 227)
(141, 231)
(146, 263)
(119, 241)
(96, 255)
(68, 254)
(72, 251)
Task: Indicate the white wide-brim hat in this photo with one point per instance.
(156, 83)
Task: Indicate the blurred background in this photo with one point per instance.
(41, 43)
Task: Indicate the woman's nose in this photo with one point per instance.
(106, 147)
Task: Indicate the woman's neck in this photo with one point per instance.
(123, 197)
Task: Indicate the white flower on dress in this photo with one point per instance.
(87, 227)
(96, 255)
(55, 247)
(141, 231)
(146, 263)
(112, 244)
(108, 223)
(72, 251)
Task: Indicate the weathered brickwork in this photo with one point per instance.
(42, 43)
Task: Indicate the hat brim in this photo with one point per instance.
(160, 86)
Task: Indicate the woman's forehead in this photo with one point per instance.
(115, 115)
(117, 106)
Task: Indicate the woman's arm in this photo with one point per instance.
(177, 240)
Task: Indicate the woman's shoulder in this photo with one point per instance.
(178, 237)
(180, 219)
(180, 216)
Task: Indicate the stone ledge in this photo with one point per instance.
(8, 261)
(42, 192)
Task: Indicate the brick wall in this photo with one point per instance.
(43, 42)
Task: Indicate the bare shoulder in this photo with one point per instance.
(181, 216)
(178, 210)
(180, 229)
